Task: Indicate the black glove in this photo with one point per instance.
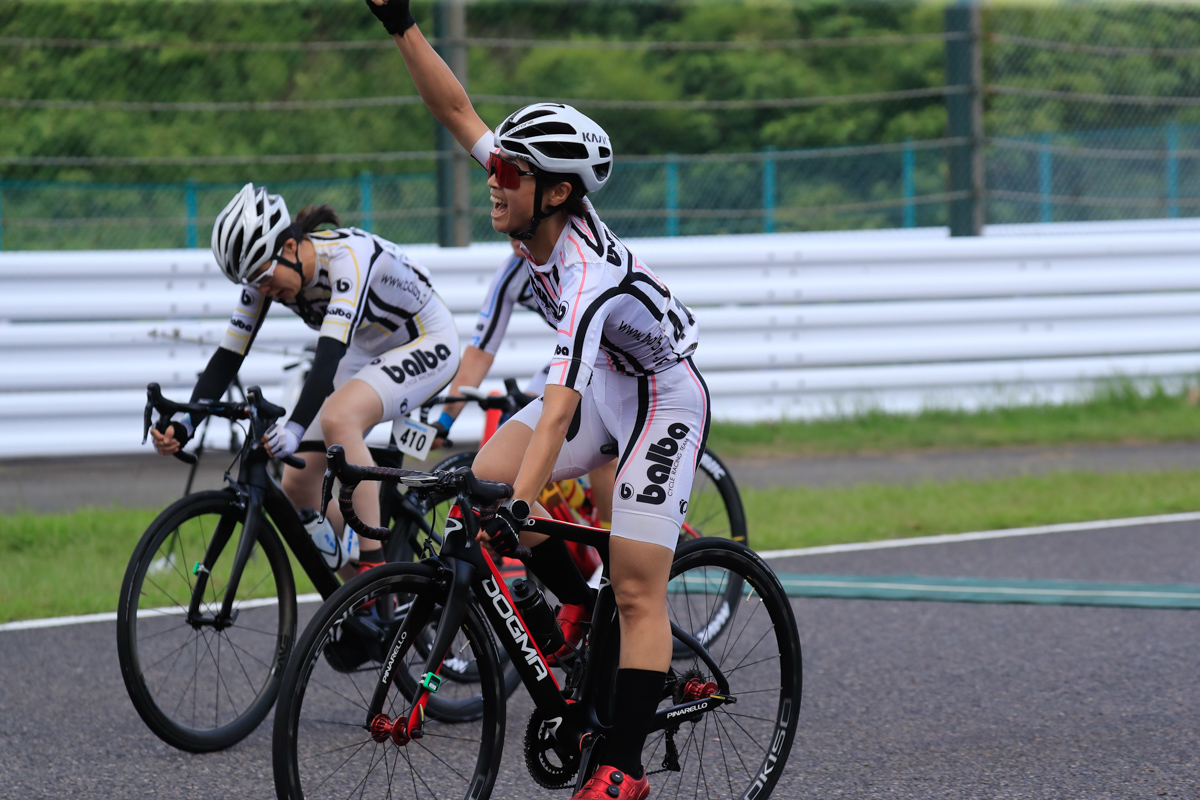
(503, 528)
(394, 15)
(181, 431)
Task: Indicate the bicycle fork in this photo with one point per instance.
(410, 726)
(226, 615)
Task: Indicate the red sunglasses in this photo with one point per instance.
(508, 174)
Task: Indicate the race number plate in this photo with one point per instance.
(413, 438)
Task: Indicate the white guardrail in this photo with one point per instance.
(792, 325)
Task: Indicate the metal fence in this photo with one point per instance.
(1003, 319)
(811, 117)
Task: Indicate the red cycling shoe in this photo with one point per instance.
(572, 621)
(609, 783)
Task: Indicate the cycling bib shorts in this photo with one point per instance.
(405, 376)
(659, 424)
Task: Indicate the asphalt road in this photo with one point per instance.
(901, 699)
(148, 481)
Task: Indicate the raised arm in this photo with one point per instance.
(435, 82)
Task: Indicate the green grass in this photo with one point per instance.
(60, 564)
(1116, 413)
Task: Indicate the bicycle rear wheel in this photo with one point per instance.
(730, 750)
(322, 747)
(198, 685)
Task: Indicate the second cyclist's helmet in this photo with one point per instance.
(558, 138)
(246, 233)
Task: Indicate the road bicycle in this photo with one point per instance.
(207, 614)
(724, 727)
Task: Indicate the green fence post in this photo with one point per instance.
(768, 190)
(908, 170)
(1045, 180)
(672, 196)
(366, 192)
(1173, 169)
(189, 199)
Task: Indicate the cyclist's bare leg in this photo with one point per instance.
(346, 415)
(303, 487)
(603, 479)
(639, 573)
(500, 459)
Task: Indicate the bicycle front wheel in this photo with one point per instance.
(738, 749)
(322, 746)
(201, 684)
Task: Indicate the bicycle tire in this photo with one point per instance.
(321, 747)
(206, 708)
(736, 750)
(714, 510)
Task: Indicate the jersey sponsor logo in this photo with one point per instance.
(683, 506)
(651, 339)
(626, 491)
(562, 350)
(664, 457)
(247, 298)
(338, 312)
(237, 323)
(418, 363)
(411, 287)
(561, 311)
(343, 285)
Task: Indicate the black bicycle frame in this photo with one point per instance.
(464, 565)
(261, 493)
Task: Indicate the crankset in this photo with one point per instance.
(547, 765)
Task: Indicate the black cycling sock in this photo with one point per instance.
(553, 565)
(374, 557)
(637, 695)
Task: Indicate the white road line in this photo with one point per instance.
(111, 616)
(950, 538)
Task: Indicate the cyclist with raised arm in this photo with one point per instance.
(509, 288)
(621, 374)
(386, 340)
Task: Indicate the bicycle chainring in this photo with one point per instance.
(546, 765)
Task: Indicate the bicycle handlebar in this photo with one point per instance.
(461, 480)
(512, 401)
(256, 408)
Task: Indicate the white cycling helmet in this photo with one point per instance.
(246, 232)
(558, 138)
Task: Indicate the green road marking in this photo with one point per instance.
(972, 590)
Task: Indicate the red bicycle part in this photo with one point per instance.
(696, 689)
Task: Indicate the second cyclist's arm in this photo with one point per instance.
(319, 384)
(472, 369)
(440, 89)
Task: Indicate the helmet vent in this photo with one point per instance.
(532, 115)
(605, 152)
(569, 150)
(601, 170)
(516, 147)
(544, 129)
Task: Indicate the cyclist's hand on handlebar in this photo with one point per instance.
(499, 531)
(282, 440)
(170, 441)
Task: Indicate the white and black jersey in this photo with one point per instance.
(509, 288)
(611, 311)
(365, 290)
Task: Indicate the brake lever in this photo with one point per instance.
(146, 420)
(326, 491)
